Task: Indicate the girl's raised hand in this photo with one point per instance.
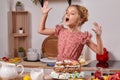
(97, 29)
(45, 9)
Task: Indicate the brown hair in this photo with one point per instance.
(82, 11)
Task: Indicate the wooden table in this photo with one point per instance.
(46, 76)
(33, 65)
(48, 69)
(44, 65)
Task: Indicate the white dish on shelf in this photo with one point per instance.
(48, 60)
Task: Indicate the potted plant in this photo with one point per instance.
(20, 52)
(21, 30)
(35, 1)
(38, 2)
(19, 6)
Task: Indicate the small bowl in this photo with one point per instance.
(32, 56)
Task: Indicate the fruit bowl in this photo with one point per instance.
(4, 59)
(11, 60)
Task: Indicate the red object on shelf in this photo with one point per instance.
(103, 57)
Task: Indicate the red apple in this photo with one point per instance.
(113, 77)
(100, 78)
(5, 59)
(97, 74)
(118, 74)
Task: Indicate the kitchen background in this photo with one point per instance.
(105, 12)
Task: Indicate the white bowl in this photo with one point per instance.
(31, 56)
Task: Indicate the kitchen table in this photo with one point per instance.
(111, 65)
(88, 69)
(46, 74)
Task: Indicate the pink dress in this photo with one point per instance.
(70, 44)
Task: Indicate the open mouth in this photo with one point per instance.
(67, 19)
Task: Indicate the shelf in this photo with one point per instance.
(17, 20)
(20, 35)
(19, 11)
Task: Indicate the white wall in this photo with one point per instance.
(3, 28)
(105, 12)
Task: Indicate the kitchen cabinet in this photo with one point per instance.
(18, 20)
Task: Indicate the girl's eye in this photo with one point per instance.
(72, 13)
(66, 13)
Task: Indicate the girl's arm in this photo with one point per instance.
(42, 27)
(97, 48)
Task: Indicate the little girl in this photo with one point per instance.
(71, 40)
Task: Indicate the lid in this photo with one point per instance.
(49, 46)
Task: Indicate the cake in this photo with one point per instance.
(68, 66)
(67, 69)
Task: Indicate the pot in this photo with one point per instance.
(32, 55)
(9, 70)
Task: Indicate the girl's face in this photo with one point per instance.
(72, 18)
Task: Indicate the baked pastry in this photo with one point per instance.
(69, 66)
(67, 69)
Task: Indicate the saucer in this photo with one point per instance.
(25, 59)
(47, 60)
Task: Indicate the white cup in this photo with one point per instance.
(36, 74)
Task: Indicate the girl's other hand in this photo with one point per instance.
(45, 9)
(97, 29)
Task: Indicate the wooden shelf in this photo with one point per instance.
(20, 35)
(18, 12)
(17, 20)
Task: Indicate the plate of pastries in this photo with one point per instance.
(67, 69)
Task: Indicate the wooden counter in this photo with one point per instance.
(35, 64)
(88, 69)
(47, 69)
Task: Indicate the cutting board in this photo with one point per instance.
(49, 46)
